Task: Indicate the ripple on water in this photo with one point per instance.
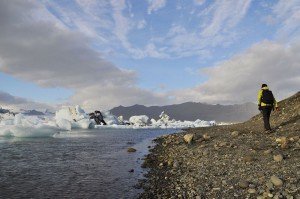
(82, 164)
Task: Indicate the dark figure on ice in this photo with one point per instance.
(98, 117)
(266, 103)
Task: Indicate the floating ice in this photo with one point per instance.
(69, 118)
(30, 126)
(110, 119)
(165, 122)
(74, 116)
(139, 120)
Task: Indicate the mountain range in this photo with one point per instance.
(192, 111)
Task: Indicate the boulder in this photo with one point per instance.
(276, 181)
(278, 158)
(130, 150)
(234, 133)
(243, 184)
(188, 138)
(206, 137)
(282, 142)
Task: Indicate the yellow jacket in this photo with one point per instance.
(260, 103)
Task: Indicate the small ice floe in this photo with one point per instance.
(139, 120)
(73, 118)
(165, 122)
(30, 126)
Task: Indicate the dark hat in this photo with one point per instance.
(264, 85)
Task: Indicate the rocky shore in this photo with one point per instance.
(236, 161)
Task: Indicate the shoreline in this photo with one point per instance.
(234, 161)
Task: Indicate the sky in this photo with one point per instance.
(105, 53)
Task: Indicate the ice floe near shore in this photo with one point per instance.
(30, 126)
(70, 118)
(139, 120)
(73, 118)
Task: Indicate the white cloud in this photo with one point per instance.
(226, 15)
(141, 24)
(217, 29)
(115, 95)
(41, 52)
(288, 14)
(110, 23)
(239, 78)
(199, 2)
(155, 5)
(89, 19)
(9, 101)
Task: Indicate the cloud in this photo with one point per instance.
(225, 15)
(141, 24)
(199, 2)
(239, 78)
(155, 5)
(16, 103)
(111, 23)
(115, 95)
(217, 29)
(288, 14)
(41, 52)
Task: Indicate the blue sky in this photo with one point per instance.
(122, 52)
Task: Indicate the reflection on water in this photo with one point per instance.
(83, 164)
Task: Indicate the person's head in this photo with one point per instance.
(264, 85)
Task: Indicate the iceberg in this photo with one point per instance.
(74, 117)
(165, 122)
(139, 120)
(110, 119)
(31, 126)
(69, 118)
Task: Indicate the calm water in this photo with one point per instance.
(84, 164)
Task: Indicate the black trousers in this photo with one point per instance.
(266, 111)
(104, 123)
(99, 121)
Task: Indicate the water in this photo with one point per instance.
(83, 164)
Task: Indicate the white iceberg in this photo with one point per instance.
(69, 118)
(74, 117)
(165, 122)
(139, 120)
(110, 119)
(30, 126)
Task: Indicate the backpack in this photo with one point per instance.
(267, 97)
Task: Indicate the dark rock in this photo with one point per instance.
(131, 150)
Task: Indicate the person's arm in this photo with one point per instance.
(275, 104)
(259, 99)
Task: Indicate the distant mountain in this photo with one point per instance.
(32, 112)
(3, 111)
(192, 111)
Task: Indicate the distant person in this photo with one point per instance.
(93, 117)
(99, 117)
(266, 103)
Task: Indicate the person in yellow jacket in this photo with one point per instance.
(266, 103)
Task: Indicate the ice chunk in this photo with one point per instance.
(75, 115)
(165, 122)
(64, 124)
(29, 126)
(110, 119)
(139, 120)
